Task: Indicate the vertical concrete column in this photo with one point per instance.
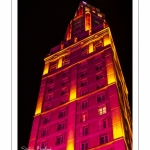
(72, 109)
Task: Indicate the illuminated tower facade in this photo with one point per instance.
(83, 98)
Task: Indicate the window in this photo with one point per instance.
(46, 120)
(44, 145)
(99, 67)
(98, 58)
(103, 139)
(49, 97)
(84, 146)
(101, 97)
(62, 113)
(83, 83)
(84, 65)
(84, 92)
(44, 132)
(64, 91)
(61, 126)
(51, 88)
(51, 79)
(53, 65)
(102, 110)
(48, 107)
(65, 81)
(59, 140)
(84, 131)
(101, 85)
(99, 76)
(66, 60)
(63, 101)
(98, 43)
(65, 73)
(84, 51)
(102, 124)
(83, 74)
(84, 104)
(84, 117)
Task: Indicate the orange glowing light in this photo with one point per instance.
(87, 21)
(117, 124)
(106, 40)
(90, 47)
(59, 62)
(69, 32)
(46, 69)
(110, 73)
(39, 105)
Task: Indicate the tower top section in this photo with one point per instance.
(87, 21)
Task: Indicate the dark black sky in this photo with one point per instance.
(42, 25)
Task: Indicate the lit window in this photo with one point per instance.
(103, 139)
(84, 146)
(101, 97)
(62, 113)
(102, 110)
(44, 132)
(83, 83)
(84, 117)
(84, 104)
(46, 120)
(83, 74)
(100, 15)
(99, 76)
(84, 92)
(102, 124)
(84, 131)
(59, 140)
(43, 145)
(61, 126)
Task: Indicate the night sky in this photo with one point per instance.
(41, 26)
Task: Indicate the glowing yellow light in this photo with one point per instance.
(90, 47)
(39, 105)
(59, 62)
(72, 94)
(106, 40)
(117, 124)
(46, 69)
(70, 144)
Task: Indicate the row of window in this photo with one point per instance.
(84, 51)
(100, 98)
(83, 145)
(84, 117)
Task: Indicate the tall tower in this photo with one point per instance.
(83, 98)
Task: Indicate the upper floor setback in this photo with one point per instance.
(81, 50)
